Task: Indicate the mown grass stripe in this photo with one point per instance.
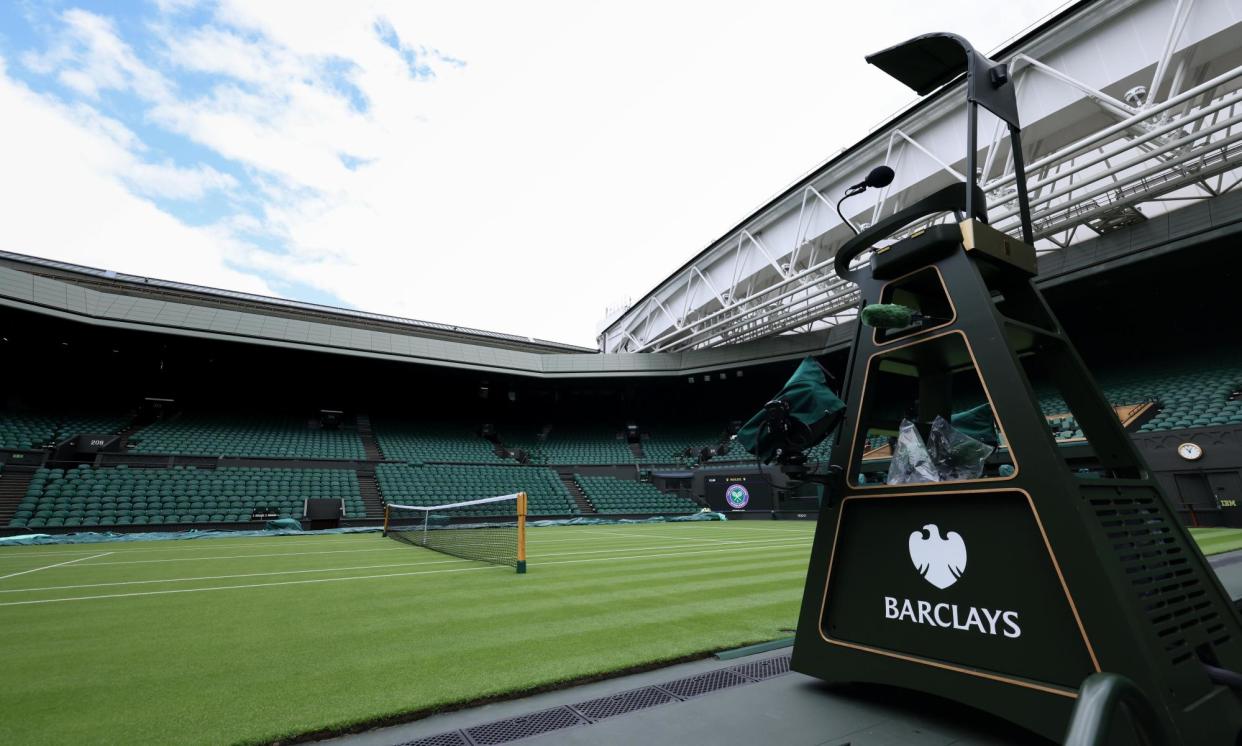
(357, 577)
(386, 547)
(322, 570)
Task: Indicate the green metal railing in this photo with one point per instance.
(1099, 699)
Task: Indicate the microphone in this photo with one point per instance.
(880, 176)
(892, 316)
(887, 316)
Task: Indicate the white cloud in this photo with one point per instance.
(167, 181)
(64, 198)
(90, 58)
(583, 152)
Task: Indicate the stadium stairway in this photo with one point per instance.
(14, 480)
(585, 506)
(131, 427)
(370, 446)
(368, 488)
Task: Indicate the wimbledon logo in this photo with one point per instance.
(738, 496)
(940, 561)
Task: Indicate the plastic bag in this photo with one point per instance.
(948, 455)
(956, 455)
(911, 462)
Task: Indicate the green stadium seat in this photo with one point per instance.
(273, 437)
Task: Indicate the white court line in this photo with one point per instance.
(531, 537)
(202, 544)
(273, 554)
(246, 556)
(227, 542)
(226, 577)
(331, 551)
(355, 567)
(677, 546)
(49, 567)
(686, 540)
(194, 545)
(794, 525)
(715, 550)
(388, 548)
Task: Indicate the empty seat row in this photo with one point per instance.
(37, 430)
(613, 495)
(574, 445)
(432, 442)
(118, 496)
(270, 437)
(432, 484)
(669, 445)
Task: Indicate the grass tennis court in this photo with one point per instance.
(1217, 540)
(251, 640)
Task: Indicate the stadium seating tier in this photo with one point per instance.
(37, 430)
(121, 496)
(430, 442)
(416, 484)
(269, 437)
(613, 495)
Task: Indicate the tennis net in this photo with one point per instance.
(492, 529)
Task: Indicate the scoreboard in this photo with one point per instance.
(738, 492)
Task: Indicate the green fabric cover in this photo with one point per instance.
(887, 316)
(977, 423)
(810, 402)
(284, 524)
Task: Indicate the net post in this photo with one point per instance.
(521, 532)
(385, 533)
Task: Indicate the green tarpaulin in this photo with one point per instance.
(810, 401)
(977, 423)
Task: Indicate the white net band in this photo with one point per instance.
(447, 506)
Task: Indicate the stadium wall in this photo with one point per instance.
(1210, 487)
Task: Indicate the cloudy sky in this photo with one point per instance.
(514, 166)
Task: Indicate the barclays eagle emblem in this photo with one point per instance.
(940, 561)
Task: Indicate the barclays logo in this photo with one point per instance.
(940, 561)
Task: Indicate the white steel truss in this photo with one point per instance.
(1106, 145)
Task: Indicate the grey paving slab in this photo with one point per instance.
(500, 710)
(784, 709)
(799, 711)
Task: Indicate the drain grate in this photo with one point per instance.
(511, 729)
(601, 708)
(693, 686)
(619, 704)
(764, 669)
(455, 738)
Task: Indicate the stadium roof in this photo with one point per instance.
(1129, 107)
(114, 300)
(150, 287)
(98, 298)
